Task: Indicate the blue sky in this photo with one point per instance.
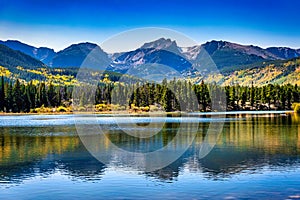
(57, 24)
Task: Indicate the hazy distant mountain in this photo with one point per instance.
(43, 54)
(76, 54)
(226, 54)
(162, 53)
(284, 52)
(10, 59)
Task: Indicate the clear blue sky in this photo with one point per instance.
(57, 24)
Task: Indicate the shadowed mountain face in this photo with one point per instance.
(226, 54)
(10, 59)
(284, 52)
(154, 60)
(147, 56)
(43, 54)
(76, 54)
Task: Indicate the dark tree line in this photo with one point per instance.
(181, 95)
(19, 97)
(267, 97)
(174, 95)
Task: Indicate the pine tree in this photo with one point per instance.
(296, 94)
(282, 94)
(51, 100)
(8, 97)
(2, 94)
(243, 98)
(166, 96)
(289, 96)
(252, 95)
(26, 100)
(17, 97)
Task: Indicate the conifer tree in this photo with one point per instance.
(2, 94)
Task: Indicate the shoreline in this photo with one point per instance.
(156, 113)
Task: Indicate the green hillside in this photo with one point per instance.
(273, 72)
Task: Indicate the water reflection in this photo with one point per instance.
(245, 146)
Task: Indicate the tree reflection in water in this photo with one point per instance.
(245, 146)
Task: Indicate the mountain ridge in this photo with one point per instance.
(234, 61)
(43, 54)
(10, 59)
(213, 47)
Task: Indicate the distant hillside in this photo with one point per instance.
(43, 54)
(284, 52)
(274, 72)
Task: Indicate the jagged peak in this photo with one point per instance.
(161, 43)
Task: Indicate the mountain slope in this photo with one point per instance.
(10, 59)
(284, 52)
(162, 53)
(163, 58)
(226, 54)
(274, 72)
(76, 54)
(43, 54)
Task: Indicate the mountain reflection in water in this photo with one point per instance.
(245, 146)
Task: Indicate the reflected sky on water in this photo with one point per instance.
(256, 156)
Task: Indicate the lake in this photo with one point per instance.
(253, 156)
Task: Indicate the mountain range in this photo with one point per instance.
(223, 53)
(228, 57)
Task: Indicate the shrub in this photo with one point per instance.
(153, 108)
(81, 109)
(42, 109)
(122, 108)
(145, 109)
(100, 107)
(135, 109)
(296, 107)
(117, 107)
(62, 109)
(33, 111)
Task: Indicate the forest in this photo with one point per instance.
(172, 95)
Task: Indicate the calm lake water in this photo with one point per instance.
(256, 156)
